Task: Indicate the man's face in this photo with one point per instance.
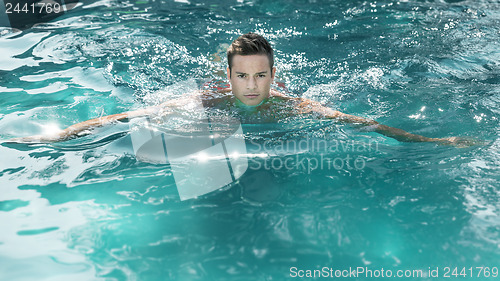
(251, 78)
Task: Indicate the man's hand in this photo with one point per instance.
(460, 142)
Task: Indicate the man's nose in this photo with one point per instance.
(251, 83)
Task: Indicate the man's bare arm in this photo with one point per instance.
(85, 127)
(372, 125)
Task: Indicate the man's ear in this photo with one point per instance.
(273, 72)
(228, 71)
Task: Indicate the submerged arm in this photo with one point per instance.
(84, 128)
(372, 125)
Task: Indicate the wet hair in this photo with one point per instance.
(250, 44)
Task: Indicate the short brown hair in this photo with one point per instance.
(250, 44)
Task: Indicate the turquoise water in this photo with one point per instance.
(87, 209)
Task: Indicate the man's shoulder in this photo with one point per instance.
(214, 98)
(279, 96)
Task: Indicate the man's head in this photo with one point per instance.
(250, 70)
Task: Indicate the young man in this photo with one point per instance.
(251, 72)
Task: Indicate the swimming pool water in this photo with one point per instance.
(87, 209)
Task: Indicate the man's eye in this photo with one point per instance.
(241, 76)
(262, 75)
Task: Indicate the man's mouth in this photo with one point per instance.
(251, 96)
